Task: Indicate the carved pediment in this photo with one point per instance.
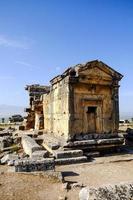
(95, 73)
(97, 70)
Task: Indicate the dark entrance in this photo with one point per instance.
(91, 119)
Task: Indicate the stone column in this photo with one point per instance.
(37, 120)
(116, 106)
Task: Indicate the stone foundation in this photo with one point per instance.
(31, 165)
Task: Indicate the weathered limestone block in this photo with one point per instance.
(37, 155)
(29, 145)
(95, 142)
(68, 154)
(9, 157)
(110, 192)
(65, 161)
(31, 165)
(95, 136)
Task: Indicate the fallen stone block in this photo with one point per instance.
(39, 154)
(30, 165)
(68, 154)
(29, 145)
(9, 157)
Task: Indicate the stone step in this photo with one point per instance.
(92, 154)
(94, 147)
(95, 142)
(31, 165)
(67, 161)
(68, 154)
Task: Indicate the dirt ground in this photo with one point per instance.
(113, 170)
(15, 186)
(102, 171)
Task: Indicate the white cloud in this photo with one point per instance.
(7, 42)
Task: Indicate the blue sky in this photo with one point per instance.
(40, 38)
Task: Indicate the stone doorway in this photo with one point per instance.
(91, 119)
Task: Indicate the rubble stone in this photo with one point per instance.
(29, 145)
(9, 157)
(110, 192)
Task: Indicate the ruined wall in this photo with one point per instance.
(55, 108)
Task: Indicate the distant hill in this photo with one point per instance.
(8, 110)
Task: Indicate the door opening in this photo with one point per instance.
(91, 119)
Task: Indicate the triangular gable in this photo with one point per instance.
(98, 68)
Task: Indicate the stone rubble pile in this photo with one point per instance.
(111, 192)
(27, 152)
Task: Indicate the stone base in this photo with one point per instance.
(95, 144)
(31, 165)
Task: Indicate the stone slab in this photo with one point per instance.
(68, 154)
(95, 142)
(29, 145)
(9, 157)
(31, 165)
(65, 161)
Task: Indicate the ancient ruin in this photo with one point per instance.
(81, 105)
(74, 120)
(35, 117)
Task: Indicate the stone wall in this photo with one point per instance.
(56, 111)
(101, 99)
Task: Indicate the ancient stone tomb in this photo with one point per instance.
(81, 103)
